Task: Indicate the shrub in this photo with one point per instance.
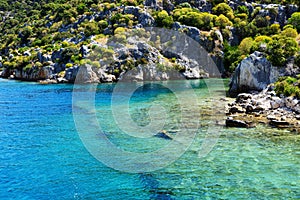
(280, 49)
(129, 2)
(163, 19)
(246, 45)
(295, 20)
(203, 21)
(290, 32)
(102, 24)
(68, 65)
(223, 21)
(288, 86)
(96, 64)
(222, 8)
(243, 10)
(119, 30)
(38, 64)
(90, 28)
(274, 29)
(232, 57)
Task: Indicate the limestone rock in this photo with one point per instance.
(253, 73)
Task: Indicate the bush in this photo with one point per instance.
(274, 29)
(102, 24)
(295, 20)
(163, 19)
(223, 21)
(68, 65)
(120, 30)
(289, 32)
(280, 49)
(203, 21)
(288, 86)
(90, 28)
(222, 8)
(246, 45)
(232, 57)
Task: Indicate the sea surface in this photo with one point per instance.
(43, 155)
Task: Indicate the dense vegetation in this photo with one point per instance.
(288, 86)
(26, 26)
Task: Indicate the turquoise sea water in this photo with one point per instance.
(42, 156)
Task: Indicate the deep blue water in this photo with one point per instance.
(42, 156)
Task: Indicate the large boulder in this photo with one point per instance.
(254, 73)
(35, 73)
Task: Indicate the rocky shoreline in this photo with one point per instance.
(265, 107)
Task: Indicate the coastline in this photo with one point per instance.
(250, 109)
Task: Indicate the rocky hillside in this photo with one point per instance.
(54, 39)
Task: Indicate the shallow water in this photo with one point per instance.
(42, 156)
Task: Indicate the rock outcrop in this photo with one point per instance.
(254, 73)
(264, 107)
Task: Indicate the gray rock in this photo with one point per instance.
(151, 3)
(6, 73)
(86, 75)
(104, 77)
(34, 74)
(164, 135)
(279, 124)
(236, 109)
(71, 73)
(57, 54)
(27, 53)
(290, 102)
(236, 123)
(84, 51)
(276, 102)
(145, 19)
(253, 73)
(243, 97)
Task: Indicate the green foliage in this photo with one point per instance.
(223, 21)
(188, 16)
(295, 20)
(90, 28)
(81, 8)
(280, 49)
(289, 32)
(242, 9)
(163, 19)
(102, 24)
(222, 8)
(27, 67)
(232, 57)
(297, 60)
(246, 45)
(288, 86)
(68, 65)
(44, 25)
(129, 2)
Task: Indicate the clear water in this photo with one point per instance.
(42, 156)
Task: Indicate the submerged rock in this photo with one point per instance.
(164, 134)
(230, 122)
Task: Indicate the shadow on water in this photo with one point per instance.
(153, 187)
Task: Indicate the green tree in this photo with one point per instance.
(222, 8)
(246, 45)
(280, 49)
(163, 19)
(295, 20)
(222, 21)
(290, 32)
